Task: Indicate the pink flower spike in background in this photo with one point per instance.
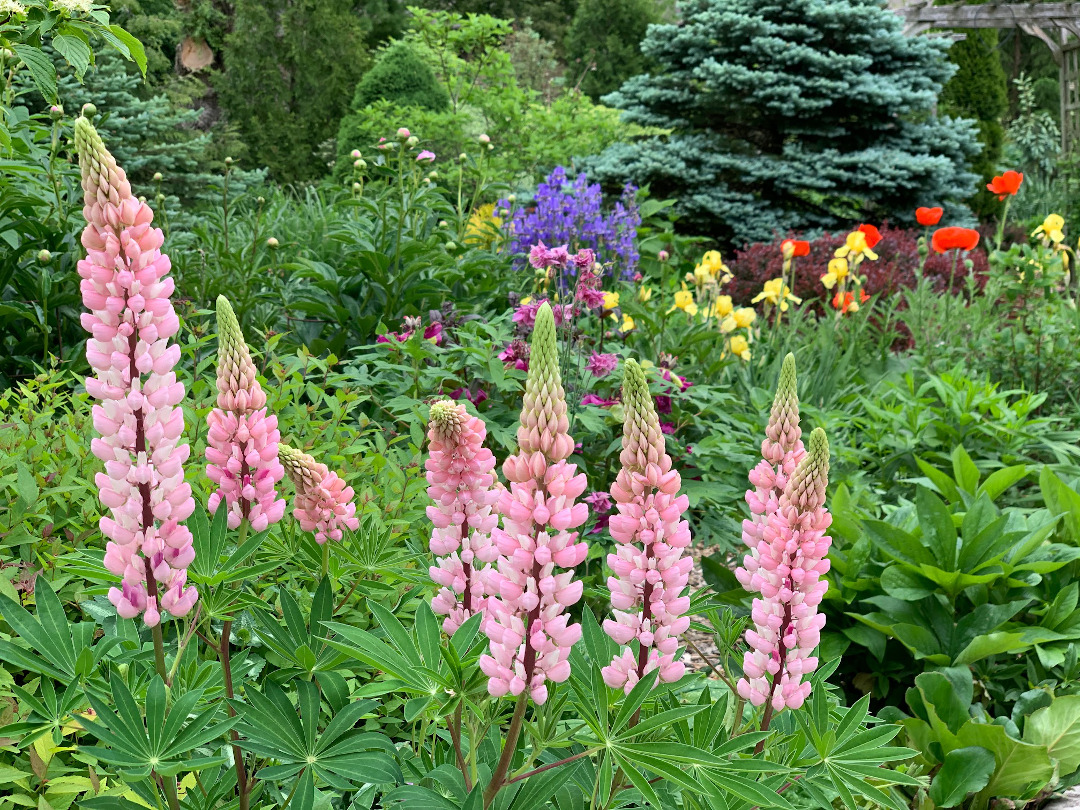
(527, 620)
(242, 443)
(323, 503)
(651, 571)
(462, 483)
(126, 288)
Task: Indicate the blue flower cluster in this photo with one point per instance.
(571, 214)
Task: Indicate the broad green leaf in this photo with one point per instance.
(1022, 769)
(75, 50)
(1057, 726)
(41, 68)
(964, 470)
(965, 771)
(1000, 480)
(902, 582)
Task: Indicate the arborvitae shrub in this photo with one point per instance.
(609, 34)
(400, 76)
(979, 90)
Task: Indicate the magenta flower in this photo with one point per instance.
(525, 315)
(527, 624)
(126, 286)
(462, 483)
(650, 570)
(667, 428)
(600, 365)
(242, 443)
(425, 157)
(516, 355)
(434, 333)
(475, 397)
(593, 399)
(541, 256)
(323, 503)
(599, 501)
(585, 258)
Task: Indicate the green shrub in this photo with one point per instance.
(401, 77)
(288, 93)
(979, 90)
(604, 40)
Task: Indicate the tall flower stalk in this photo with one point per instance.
(786, 560)
(527, 623)
(462, 484)
(126, 288)
(242, 459)
(650, 569)
(242, 443)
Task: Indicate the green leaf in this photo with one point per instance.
(1000, 480)
(965, 771)
(939, 533)
(964, 470)
(133, 47)
(1022, 769)
(1057, 726)
(41, 68)
(75, 50)
(902, 582)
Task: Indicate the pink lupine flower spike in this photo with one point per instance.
(650, 569)
(126, 286)
(324, 502)
(527, 623)
(242, 443)
(462, 484)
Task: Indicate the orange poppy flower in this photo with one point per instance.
(1005, 184)
(953, 237)
(928, 216)
(845, 302)
(799, 247)
(873, 236)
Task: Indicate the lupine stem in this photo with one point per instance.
(512, 733)
(454, 724)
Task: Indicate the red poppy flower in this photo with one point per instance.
(873, 236)
(1005, 184)
(953, 237)
(928, 216)
(800, 247)
(845, 302)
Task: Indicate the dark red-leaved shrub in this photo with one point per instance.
(898, 259)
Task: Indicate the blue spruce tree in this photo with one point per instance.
(791, 114)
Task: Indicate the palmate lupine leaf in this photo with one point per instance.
(163, 743)
(49, 712)
(302, 642)
(57, 648)
(341, 756)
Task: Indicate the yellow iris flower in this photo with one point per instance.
(722, 306)
(611, 300)
(740, 346)
(777, 293)
(855, 246)
(744, 316)
(644, 294)
(711, 267)
(684, 300)
(1051, 229)
(627, 323)
(838, 271)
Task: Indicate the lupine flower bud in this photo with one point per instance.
(527, 623)
(461, 482)
(650, 569)
(323, 503)
(786, 563)
(242, 443)
(126, 287)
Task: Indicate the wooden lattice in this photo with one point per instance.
(1056, 24)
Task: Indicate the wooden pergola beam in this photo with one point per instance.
(1064, 16)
